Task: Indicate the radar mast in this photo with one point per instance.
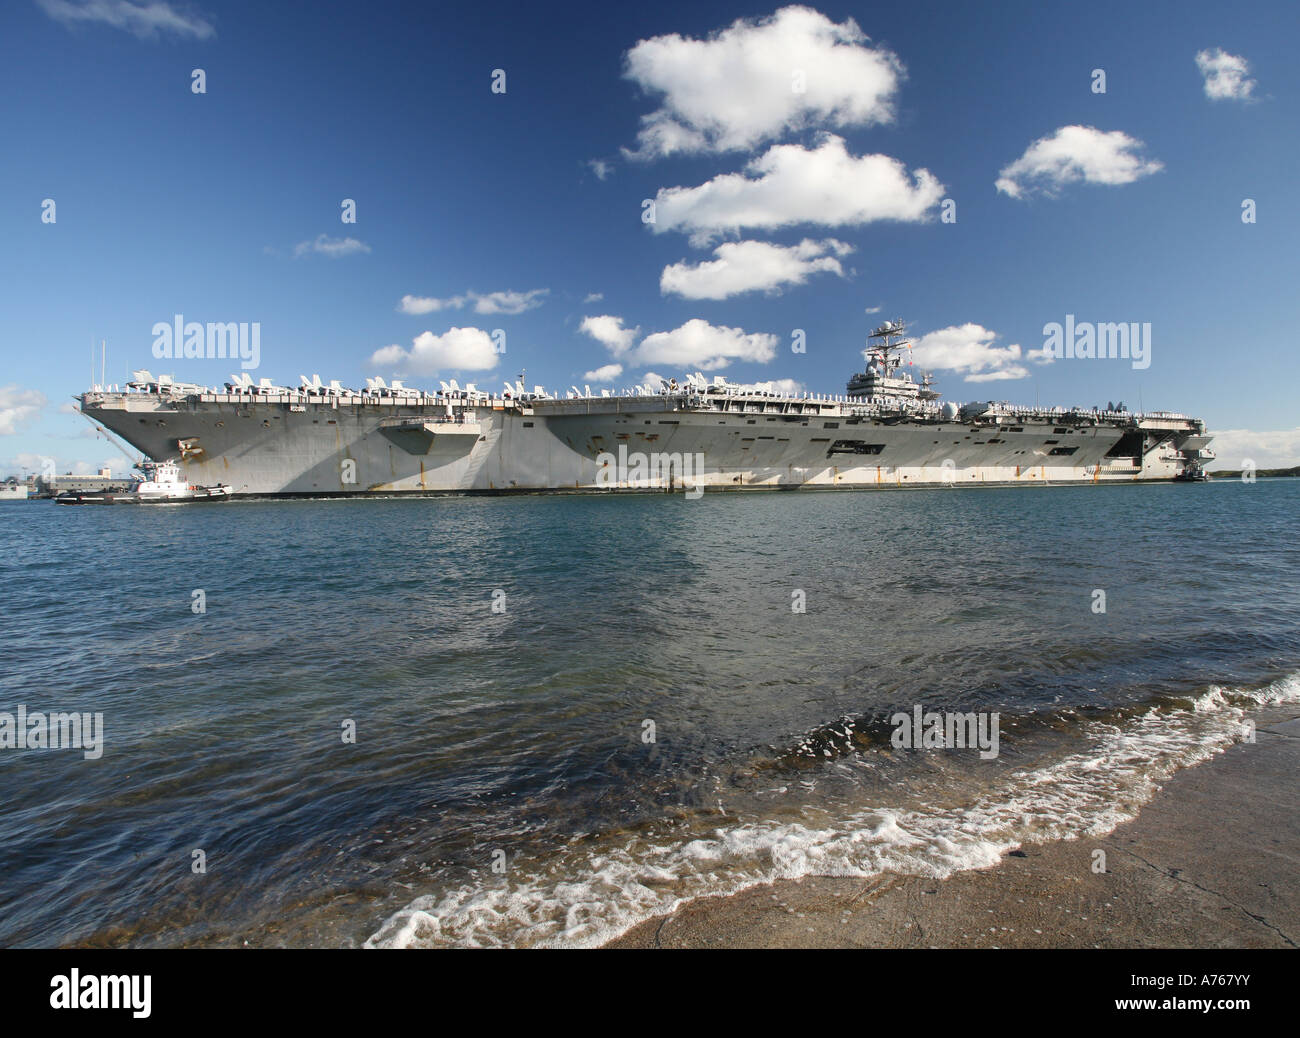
(886, 344)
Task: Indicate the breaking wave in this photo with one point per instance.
(595, 889)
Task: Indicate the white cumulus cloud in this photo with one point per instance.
(25, 462)
(610, 333)
(145, 20)
(758, 79)
(457, 349)
(1278, 449)
(1073, 154)
(509, 302)
(505, 302)
(417, 305)
(331, 248)
(969, 349)
(790, 185)
(18, 408)
(1227, 76)
(605, 373)
(698, 344)
(750, 266)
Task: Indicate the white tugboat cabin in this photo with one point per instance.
(163, 483)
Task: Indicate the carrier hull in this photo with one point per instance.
(295, 444)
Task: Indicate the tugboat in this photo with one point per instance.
(162, 484)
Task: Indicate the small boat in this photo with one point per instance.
(163, 484)
(1192, 473)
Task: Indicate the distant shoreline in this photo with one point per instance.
(1261, 473)
(1210, 862)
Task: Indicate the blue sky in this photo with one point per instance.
(514, 210)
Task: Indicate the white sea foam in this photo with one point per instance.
(584, 896)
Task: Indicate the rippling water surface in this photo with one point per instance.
(518, 740)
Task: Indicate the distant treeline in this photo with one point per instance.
(1232, 473)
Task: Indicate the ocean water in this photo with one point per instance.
(642, 718)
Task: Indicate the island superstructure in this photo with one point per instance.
(886, 430)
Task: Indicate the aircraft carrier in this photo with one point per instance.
(886, 430)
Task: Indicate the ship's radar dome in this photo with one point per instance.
(949, 411)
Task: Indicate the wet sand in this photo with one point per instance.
(1212, 862)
